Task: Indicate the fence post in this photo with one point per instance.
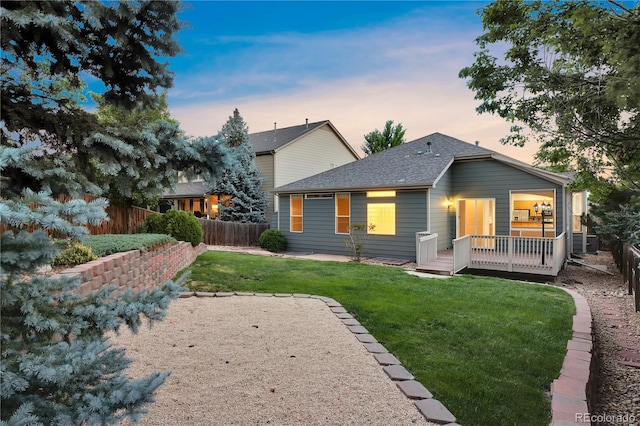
(636, 279)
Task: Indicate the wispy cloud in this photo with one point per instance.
(405, 70)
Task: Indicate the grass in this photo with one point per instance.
(102, 245)
(487, 348)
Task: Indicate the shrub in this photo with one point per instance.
(153, 224)
(273, 240)
(357, 237)
(103, 245)
(183, 226)
(74, 254)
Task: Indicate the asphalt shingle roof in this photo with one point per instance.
(412, 164)
(185, 189)
(270, 140)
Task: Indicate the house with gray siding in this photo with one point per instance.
(431, 198)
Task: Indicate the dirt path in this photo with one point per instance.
(617, 328)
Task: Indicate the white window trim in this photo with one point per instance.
(395, 220)
(554, 204)
(301, 213)
(335, 226)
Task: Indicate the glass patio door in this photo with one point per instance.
(476, 217)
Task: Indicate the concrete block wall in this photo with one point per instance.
(136, 270)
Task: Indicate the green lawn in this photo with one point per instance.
(487, 348)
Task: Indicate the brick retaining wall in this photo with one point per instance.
(136, 270)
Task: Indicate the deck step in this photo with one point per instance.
(435, 271)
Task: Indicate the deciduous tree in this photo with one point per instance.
(567, 74)
(390, 136)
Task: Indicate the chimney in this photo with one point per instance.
(306, 120)
(477, 143)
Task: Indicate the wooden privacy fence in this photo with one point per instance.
(627, 258)
(220, 233)
(122, 219)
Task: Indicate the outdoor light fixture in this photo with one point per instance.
(545, 210)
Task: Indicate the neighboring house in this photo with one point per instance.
(282, 156)
(430, 195)
(292, 153)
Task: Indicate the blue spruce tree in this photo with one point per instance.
(241, 199)
(58, 366)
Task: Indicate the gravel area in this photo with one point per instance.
(616, 322)
(243, 360)
(285, 361)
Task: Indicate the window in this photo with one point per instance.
(343, 213)
(525, 221)
(318, 196)
(578, 210)
(381, 218)
(296, 213)
(381, 194)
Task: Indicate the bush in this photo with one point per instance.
(273, 240)
(181, 225)
(74, 254)
(103, 245)
(153, 224)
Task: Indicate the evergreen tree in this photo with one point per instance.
(241, 199)
(58, 367)
(390, 136)
(130, 149)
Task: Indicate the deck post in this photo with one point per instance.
(510, 253)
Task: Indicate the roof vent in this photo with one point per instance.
(477, 143)
(306, 122)
(429, 151)
(275, 135)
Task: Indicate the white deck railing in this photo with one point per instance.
(532, 255)
(461, 253)
(426, 247)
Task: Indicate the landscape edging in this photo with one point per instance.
(573, 392)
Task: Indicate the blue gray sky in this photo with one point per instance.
(355, 63)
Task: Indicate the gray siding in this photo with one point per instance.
(319, 221)
(492, 179)
(443, 218)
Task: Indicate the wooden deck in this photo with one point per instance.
(442, 265)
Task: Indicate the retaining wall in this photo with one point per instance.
(136, 270)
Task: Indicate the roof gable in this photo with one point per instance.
(416, 164)
(413, 164)
(271, 141)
